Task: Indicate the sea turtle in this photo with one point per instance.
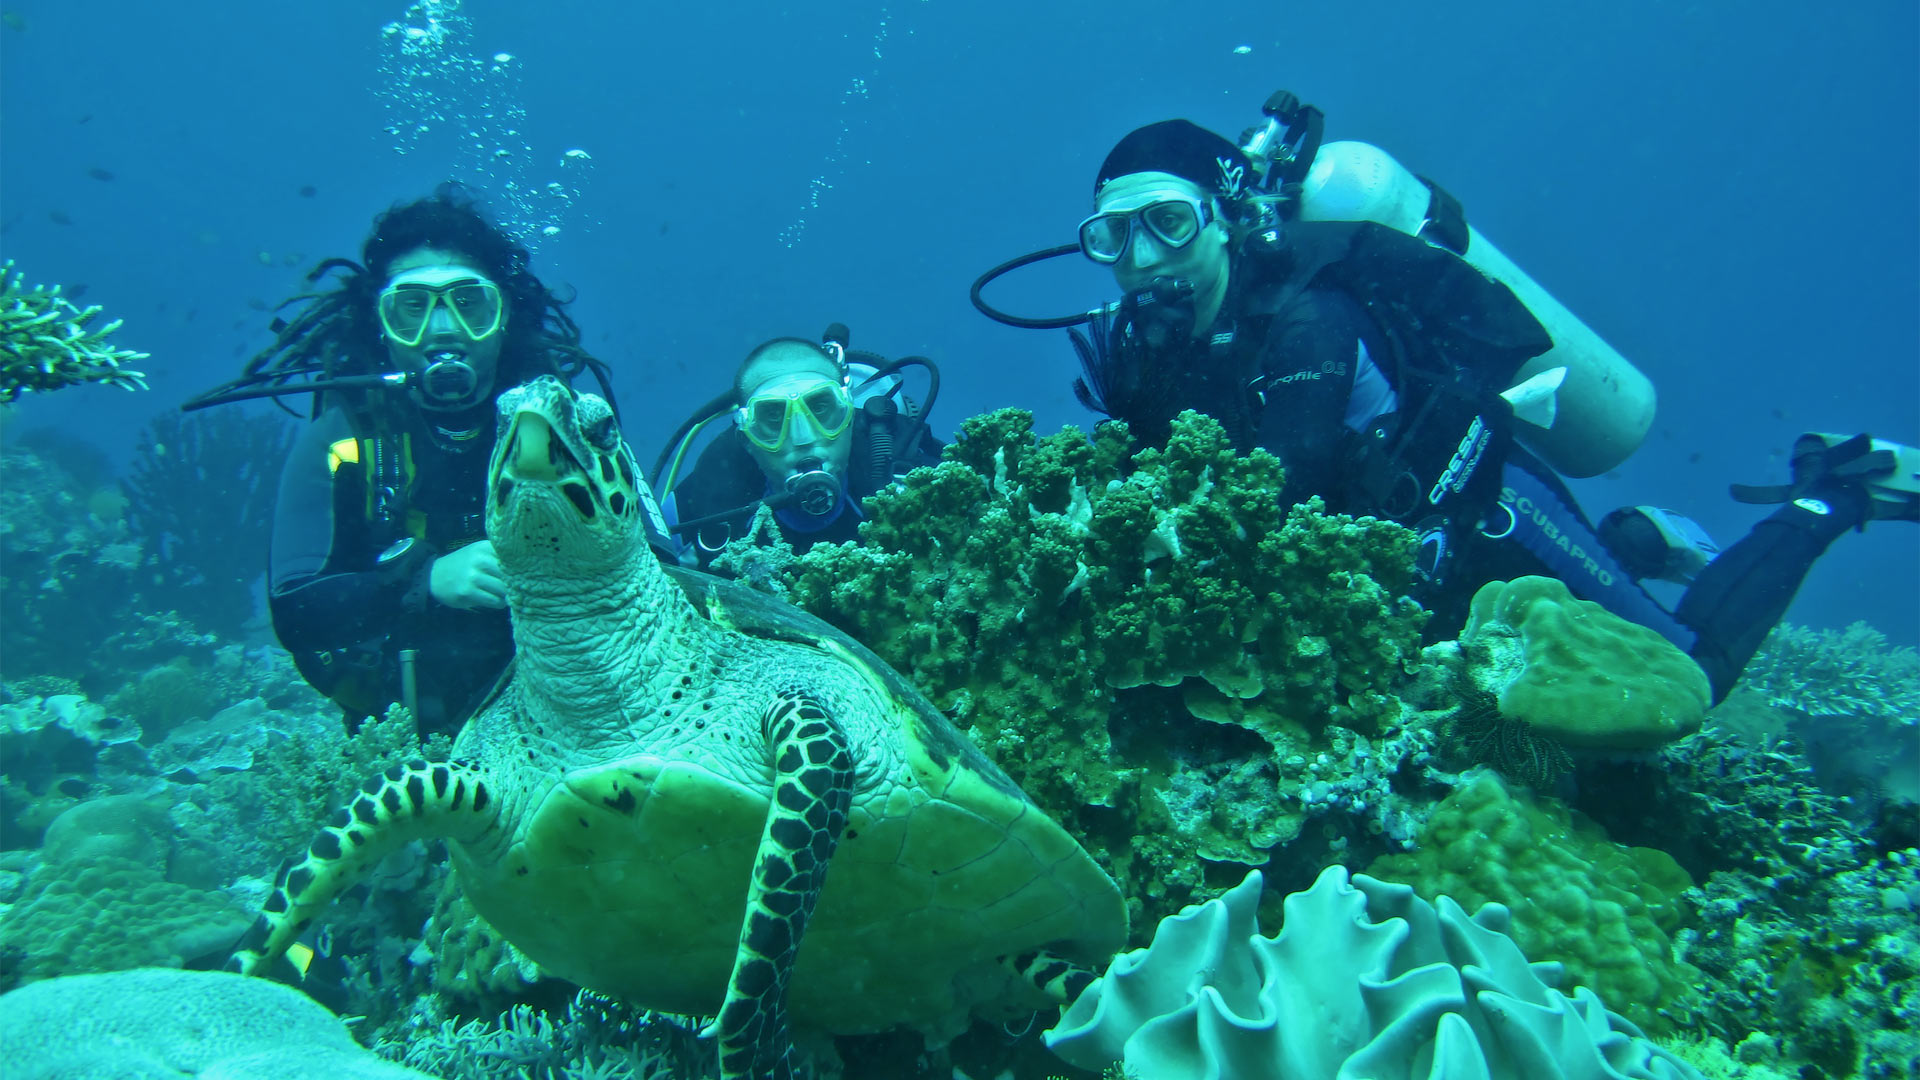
(650, 804)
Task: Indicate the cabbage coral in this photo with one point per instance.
(1151, 644)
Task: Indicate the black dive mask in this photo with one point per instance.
(813, 490)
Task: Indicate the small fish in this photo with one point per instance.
(84, 119)
(13, 20)
(256, 303)
(59, 217)
(75, 292)
(99, 173)
(1695, 458)
(308, 191)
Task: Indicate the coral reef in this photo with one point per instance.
(1852, 701)
(1836, 987)
(595, 1038)
(1161, 655)
(200, 499)
(68, 574)
(1364, 979)
(164, 1023)
(107, 895)
(45, 342)
(1576, 673)
(1606, 911)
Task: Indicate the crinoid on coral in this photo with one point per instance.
(46, 342)
(1512, 747)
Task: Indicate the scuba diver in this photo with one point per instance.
(381, 581)
(1329, 306)
(810, 431)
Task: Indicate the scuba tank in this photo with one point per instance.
(1604, 406)
(1579, 405)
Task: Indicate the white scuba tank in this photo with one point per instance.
(1605, 405)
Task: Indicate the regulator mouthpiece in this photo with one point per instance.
(815, 491)
(449, 379)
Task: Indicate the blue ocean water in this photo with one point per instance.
(1724, 192)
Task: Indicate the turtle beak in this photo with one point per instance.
(533, 453)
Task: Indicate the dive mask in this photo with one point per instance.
(805, 407)
(1173, 220)
(407, 305)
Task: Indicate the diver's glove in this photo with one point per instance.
(1887, 472)
(470, 579)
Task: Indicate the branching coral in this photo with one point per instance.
(1851, 672)
(596, 1038)
(201, 500)
(1126, 633)
(45, 342)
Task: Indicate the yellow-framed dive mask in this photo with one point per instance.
(407, 305)
(806, 406)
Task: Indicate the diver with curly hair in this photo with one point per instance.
(381, 580)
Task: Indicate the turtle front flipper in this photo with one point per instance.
(407, 802)
(812, 788)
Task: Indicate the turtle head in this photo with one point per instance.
(562, 489)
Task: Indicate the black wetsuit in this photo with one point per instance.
(1366, 412)
(357, 624)
(727, 481)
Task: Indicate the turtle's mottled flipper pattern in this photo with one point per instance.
(449, 799)
(812, 789)
(1052, 976)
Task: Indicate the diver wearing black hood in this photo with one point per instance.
(1383, 369)
(811, 431)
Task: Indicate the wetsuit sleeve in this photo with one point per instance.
(323, 589)
(1308, 360)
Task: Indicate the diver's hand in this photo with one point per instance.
(469, 579)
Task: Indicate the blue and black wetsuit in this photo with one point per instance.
(362, 628)
(1367, 413)
(727, 487)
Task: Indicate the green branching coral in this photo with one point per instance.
(45, 342)
(1086, 612)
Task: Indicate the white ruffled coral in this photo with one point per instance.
(1364, 979)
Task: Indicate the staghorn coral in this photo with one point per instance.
(45, 342)
(1156, 650)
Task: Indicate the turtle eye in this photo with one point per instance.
(602, 433)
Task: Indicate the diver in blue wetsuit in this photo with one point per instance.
(809, 430)
(1360, 330)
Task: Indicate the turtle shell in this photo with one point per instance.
(630, 874)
